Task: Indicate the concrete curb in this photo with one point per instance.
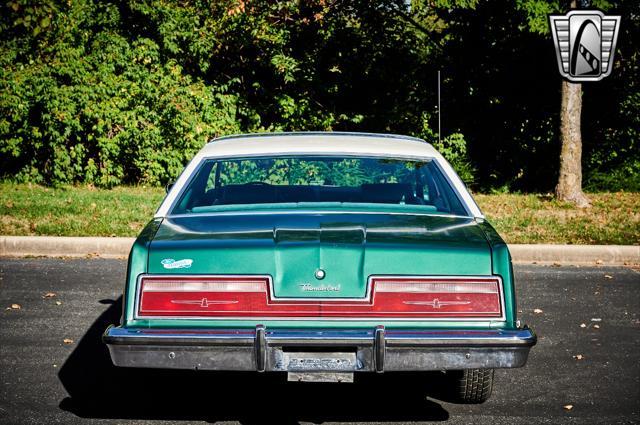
(64, 246)
(576, 254)
(54, 246)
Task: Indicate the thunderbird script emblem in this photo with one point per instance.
(307, 287)
(585, 44)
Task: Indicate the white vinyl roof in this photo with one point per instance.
(320, 143)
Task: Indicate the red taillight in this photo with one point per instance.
(437, 297)
(250, 297)
(202, 296)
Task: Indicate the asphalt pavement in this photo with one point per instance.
(54, 368)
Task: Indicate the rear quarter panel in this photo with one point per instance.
(138, 264)
(502, 266)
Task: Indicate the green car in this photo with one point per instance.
(320, 255)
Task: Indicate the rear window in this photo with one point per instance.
(308, 181)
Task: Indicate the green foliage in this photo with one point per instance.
(611, 113)
(501, 89)
(86, 104)
(453, 147)
(112, 92)
(626, 177)
(537, 13)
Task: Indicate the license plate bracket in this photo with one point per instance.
(320, 361)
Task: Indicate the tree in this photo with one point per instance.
(569, 186)
(502, 90)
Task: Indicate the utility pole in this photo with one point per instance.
(439, 118)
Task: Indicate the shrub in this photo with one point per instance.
(453, 147)
(97, 107)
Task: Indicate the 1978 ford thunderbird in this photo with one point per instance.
(321, 255)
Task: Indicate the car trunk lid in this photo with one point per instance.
(320, 255)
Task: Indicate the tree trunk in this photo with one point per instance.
(569, 186)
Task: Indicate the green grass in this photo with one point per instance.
(76, 211)
(87, 211)
(614, 218)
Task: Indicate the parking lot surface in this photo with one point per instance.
(54, 368)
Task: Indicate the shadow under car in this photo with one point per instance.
(98, 389)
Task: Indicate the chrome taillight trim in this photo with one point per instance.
(249, 285)
(369, 298)
(436, 287)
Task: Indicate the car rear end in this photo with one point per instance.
(319, 291)
(416, 321)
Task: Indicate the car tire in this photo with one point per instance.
(474, 385)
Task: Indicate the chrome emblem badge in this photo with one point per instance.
(170, 263)
(307, 287)
(436, 303)
(204, 303)
(585, 43)
(320, 274)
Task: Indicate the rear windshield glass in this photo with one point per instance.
(318, 181)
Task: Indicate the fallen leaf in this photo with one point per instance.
(49, 295)
(568, 406)
(67, 341)
(58, 303)
(16, 306)
(578, 357)
(537, 311)
(583, 325)
(596, 326)
(608, 276)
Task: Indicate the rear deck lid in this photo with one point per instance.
(320, 255)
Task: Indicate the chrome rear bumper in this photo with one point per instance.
(263, 349)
